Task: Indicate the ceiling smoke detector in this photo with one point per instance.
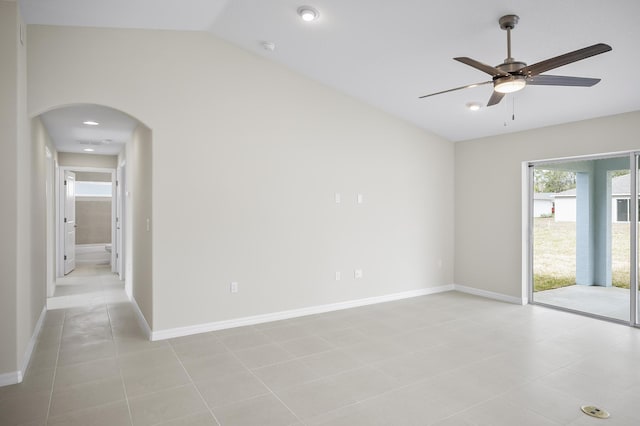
(268, 46)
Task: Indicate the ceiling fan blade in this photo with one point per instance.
(559, 80)
(457, 88)
(495, 98)
(567, 58)
(492, 71)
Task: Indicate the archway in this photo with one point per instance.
(96, 139)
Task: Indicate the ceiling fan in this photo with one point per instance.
(512, 75)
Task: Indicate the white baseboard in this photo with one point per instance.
(489, 294)
(142, 321)
(293, 313)
(26, 359)
(12, 378)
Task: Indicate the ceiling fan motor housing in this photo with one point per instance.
(511, 66)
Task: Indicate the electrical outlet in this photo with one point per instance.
(357, 274)
(360, 198)
(338, 275)
(233, 287)
(338, 198)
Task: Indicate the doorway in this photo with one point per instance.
(88, 247)
(582, 246)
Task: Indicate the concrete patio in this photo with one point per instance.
(612, 302)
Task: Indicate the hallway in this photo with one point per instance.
(88, 284)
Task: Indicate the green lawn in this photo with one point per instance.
(554, 254)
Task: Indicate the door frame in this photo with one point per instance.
(60, 193)
(527, 232)
(120, 199)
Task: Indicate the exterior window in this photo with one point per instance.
(622, 209)
(93, 189)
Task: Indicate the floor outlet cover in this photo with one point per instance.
(592, 411)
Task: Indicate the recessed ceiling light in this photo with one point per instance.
(88, 149)
(90, 123)
(473, 106)
(308, 13)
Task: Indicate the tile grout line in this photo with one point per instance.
(264, 384)
(55, 368)
(124, 387)
(193, 383)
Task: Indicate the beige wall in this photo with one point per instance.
(93, 176)
(139, 187)
(93, 218)
(42, 141)
(9, 190)
(22, 229)
(247, 156)
(87, 160)
(32, 241)
(488, 240)
(93, 215)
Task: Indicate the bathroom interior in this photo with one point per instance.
(93, 219)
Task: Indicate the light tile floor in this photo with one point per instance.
(445, 359)
(87, 284)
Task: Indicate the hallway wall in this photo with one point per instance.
(247, 158)
(87, 160)
(22, 210)
(9, 46)
(139, 185)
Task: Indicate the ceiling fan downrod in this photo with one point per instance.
(507, 23)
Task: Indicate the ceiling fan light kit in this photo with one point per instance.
(512, 76)
(510, 84)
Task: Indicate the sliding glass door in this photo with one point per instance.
(583, 221)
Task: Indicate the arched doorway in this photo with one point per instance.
(100, 153)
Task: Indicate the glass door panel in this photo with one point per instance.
(581, 235)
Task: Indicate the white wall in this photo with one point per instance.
(247, 156)
(488, 245)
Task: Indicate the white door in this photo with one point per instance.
(69, 221)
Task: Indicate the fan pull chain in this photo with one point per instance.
(506, 112)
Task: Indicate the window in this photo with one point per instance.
(93, 189)
(622, 209)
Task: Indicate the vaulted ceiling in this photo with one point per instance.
(387, 53)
